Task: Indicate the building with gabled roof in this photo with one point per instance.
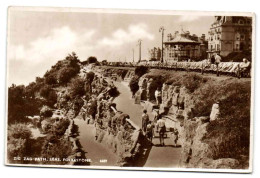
(181, 47)
(230, 34)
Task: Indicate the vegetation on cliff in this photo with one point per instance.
(139, 72)
(229, 136)
(40, 98)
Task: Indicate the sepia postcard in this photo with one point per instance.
(130, 89)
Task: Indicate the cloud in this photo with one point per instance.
(188, 18)
(121, 37)
(27, 62)
(57, 44)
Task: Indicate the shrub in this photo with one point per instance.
(229, 136)
(60, 127)
(113, 92)
(77, 87)
(193, 82)
(66, 73)
(18, 141)
(78, 103)
(141, 70)
(54, 147)
(237, 56)
(46, 111)
(51, 78)
(92, 110)
(133, 84)
(45, 91)
(104, 62)
(21, 104)
(90, 60)
(49, 94)
(90, 77)
(52, 98)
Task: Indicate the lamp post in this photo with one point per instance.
(140, 44)
(162, 30)
(133, 55)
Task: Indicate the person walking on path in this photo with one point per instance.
(156, 116)
(161, 130)
(145, 119)
(175, 137)
(158, 96)
(217, 61)
(149, 131)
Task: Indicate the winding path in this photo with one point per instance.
(94, 150)
(167, 156)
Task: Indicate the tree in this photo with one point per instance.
(51, 78)
(46, 111)
(77, 87)
(45, 91)
(141, 70)
(134, 87)
(16, 104)
(90, 60)
(65, 74)
(104, 62)
(19, 136)
(90, 77)
(49, 94)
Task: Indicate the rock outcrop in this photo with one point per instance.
(113, 128)
(196, 153)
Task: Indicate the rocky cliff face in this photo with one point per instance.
(179, 103)
(113, 128)
(126, 141)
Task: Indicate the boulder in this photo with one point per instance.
(214, 112)
(225, 163)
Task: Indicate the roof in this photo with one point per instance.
(181, 39)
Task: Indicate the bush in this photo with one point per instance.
(113, 92)
(21, 104)
(60, 128)
(90, 77)
(237, 56)
(52, 98)
(78, 103)
(51, 78)
(104, 62)
(45, 91)
(133, 84)
(229, 136)
(90, 60)
(92, 110)
(49, 94)
(66, 73)
(59, 148)
(77, 87)
(18, 141)
(46, 111)
(63, 70)
(141, 70)
(193, 82)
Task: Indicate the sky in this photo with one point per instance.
(38, 39)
